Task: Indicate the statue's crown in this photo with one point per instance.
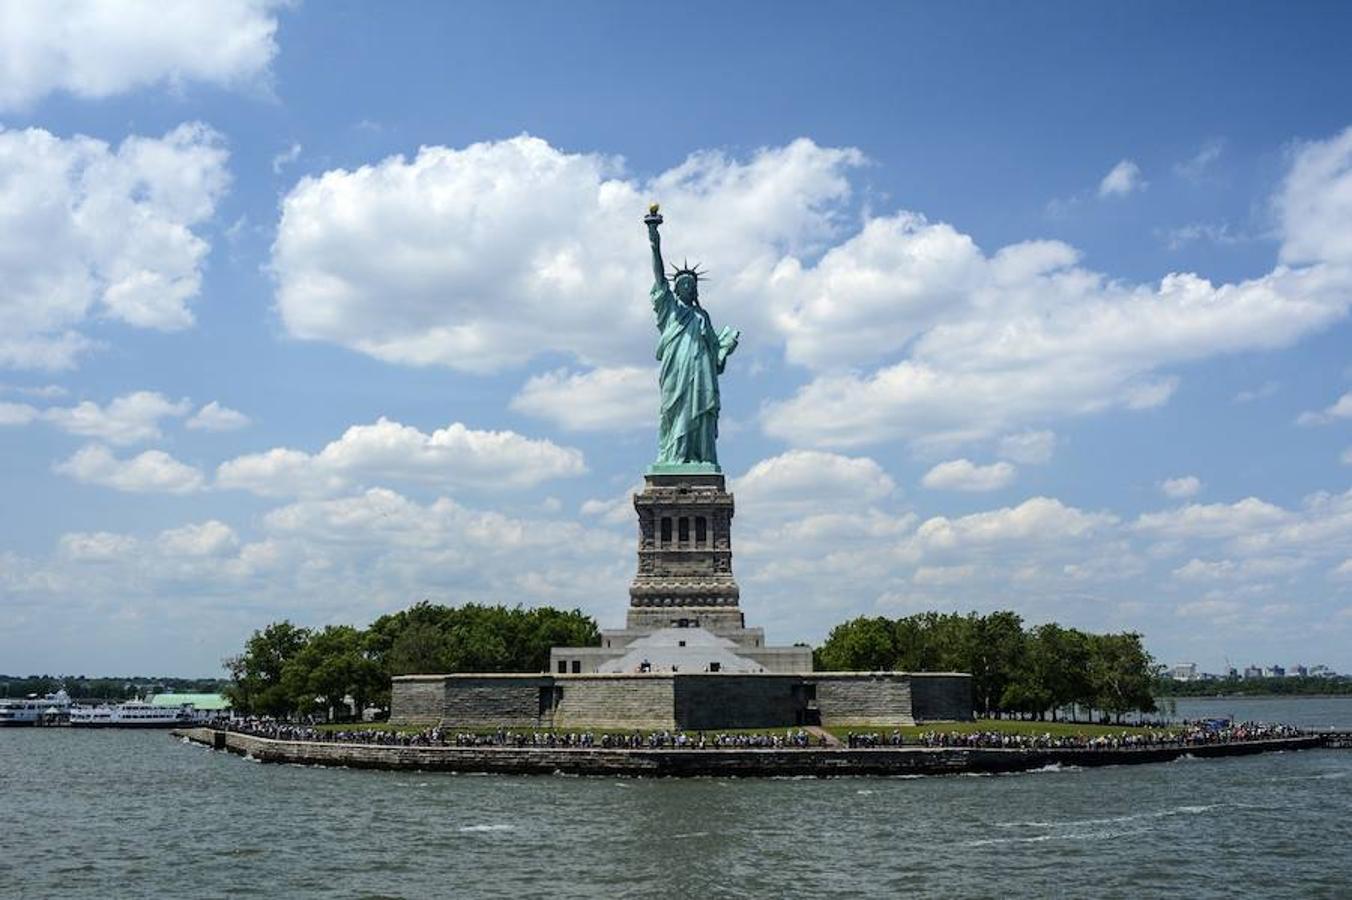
(686, 269)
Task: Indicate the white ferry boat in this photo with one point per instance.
(132, 714)
(49, 710)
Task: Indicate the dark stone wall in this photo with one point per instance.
(880, 699)
(615, 701)
(417, 699)
(496, 701)
(941, 696)
(694, 701)
(708, 702)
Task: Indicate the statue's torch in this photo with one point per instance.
(653, 218)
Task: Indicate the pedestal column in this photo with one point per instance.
(684, 555)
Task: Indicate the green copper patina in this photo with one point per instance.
(692, 356)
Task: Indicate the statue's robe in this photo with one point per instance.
(692, 357)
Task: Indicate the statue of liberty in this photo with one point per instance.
(692, 356)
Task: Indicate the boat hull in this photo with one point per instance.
(130, 724)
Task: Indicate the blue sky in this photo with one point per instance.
(1045, 308)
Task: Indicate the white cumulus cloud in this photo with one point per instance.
(964, 475)
(17, 413)
(95, 231)
(1214, 520)
(1181, 487)
(1339, 409)
(1028, 447)
(1315, 204)
(153, 471)
(1039, 519)
(618, 398)
(98, 546)
(44, 391)
(129, 419)
(1197, 166)
(285, 158)
(1122, 179)
(1247, 570)
(215, 417)
(455, 456)
(484, 257)
(211, 538)
(1062, 341)
(97, 48)
(811, 479)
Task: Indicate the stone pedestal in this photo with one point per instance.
(684, 613)
(684, 574)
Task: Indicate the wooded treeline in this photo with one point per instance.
(287, 670)
(1034, 672)
(81, 687)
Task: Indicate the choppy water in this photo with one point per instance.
(137, 814)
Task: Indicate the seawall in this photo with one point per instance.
(722, 762)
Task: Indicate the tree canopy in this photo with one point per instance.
(1015, 670)
(286, 670)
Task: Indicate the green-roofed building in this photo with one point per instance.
(199, 702)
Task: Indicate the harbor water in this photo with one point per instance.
(140, 814)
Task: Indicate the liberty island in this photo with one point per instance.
(685, 658)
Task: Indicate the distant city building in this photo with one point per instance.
(1322, 671)
(1183, 672)
(1297, 671)
(1274, 672)
(1253, 672)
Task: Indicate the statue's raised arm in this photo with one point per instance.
(653, 219)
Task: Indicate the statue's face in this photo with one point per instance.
(687, 290)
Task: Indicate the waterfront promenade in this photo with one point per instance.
(736, 761)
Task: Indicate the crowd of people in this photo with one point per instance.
(447, 737)
(1191, 734)
(868, 739)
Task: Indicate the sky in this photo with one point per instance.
(315, 310)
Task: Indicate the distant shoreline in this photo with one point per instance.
(1254, 697)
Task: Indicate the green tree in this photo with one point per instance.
(1059, 660)
(1026, 694)
(860, 645)
(332, 666)
(430, 638)
(998, 653)
(419, 649)
(547, 627)
(256, 674)
(1122, 674)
